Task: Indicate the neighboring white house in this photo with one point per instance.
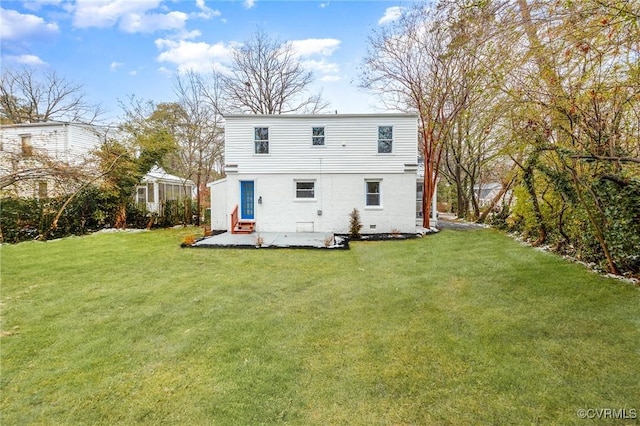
(487, 192)
(306, 173)
(34, 147)
(159, 186)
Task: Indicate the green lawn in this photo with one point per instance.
(462, 327)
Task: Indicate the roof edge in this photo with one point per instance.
(347, 115)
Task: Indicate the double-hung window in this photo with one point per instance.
(305, 190)
(261, 140)
(42, 189)
(27, 149)
(385, 139)
(317, 136)
(373, 193)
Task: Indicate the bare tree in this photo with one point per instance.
(39, 166)
(416, 66)
(26, 97)
(267, 77)
(200, 135)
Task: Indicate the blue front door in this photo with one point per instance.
(246, 199)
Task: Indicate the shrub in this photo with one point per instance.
(177, 212)
(355, 225)
(92, 209)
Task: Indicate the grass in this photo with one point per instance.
(456, 328)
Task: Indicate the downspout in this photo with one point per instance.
(320, 188)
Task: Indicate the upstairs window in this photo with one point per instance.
(27, 149)
(317, 136)
(385, 139)
(261, 139)
(372, 189)
(305, 189)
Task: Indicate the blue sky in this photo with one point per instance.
(117, 48)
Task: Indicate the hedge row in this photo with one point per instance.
(23, 219)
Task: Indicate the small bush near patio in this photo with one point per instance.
(454, 328)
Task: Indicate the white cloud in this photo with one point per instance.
(115, 65)
(26, 60)
(391, 14)
(16, 26)
(107, 13)
(189, 55)
(327, 71)
(131, 16)
(323, 5)
(149, 23)
(248, 4)
(205, 11)
(315, 53)
(321, 66)
(315, 46)
(189, 35)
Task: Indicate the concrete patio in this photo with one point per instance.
(273, 239)
(294, 239)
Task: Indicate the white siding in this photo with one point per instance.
(82, 140)
(351, 143)
(220, 211)
(68, 143)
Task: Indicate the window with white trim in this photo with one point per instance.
(261, 140)
(27, 149)
(150, 193)
(141, 195)
(42, 189)
(373, 193)
(317, 136)
(385, 139)
(305, 190)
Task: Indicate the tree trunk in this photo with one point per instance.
(198, 196)
(427, 196)
(505, 187)
(121, 216)
(528, 180)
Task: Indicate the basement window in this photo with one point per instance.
(305, 190)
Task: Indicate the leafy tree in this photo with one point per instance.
(123, 164)
(580, 103)
(417, 65)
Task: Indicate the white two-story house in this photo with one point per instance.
(306, 173)
(32, 150)
(47, 156)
